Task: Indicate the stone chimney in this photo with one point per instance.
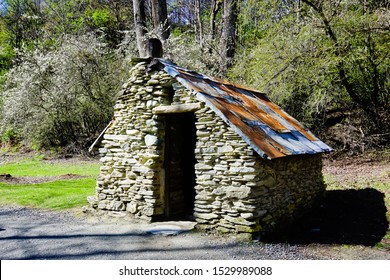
(154, 48)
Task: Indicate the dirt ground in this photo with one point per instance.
(8, 178)
(367, 179)
(352, 223)
(350, 171)
(356, 207)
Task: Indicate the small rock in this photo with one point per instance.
(151, 140)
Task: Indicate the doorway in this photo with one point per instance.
(179, 165)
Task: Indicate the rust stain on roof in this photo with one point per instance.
(266, 127)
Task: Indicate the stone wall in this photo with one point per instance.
(131, 154)
(239, 191)
(236, 190)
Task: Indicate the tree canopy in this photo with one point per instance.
(325, 62)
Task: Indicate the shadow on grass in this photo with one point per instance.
(345, 217)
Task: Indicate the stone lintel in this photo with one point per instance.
(179, 108)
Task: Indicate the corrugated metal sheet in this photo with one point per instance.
(269, 130)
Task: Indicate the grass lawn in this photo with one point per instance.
(54, 193)
(37, 167)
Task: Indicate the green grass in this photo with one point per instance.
(51, 195)
(36, 167)
(57, 194)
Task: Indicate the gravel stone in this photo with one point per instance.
(27, 233)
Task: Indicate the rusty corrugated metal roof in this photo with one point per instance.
(269, 130)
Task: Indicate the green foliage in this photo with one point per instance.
(64, 17)
(312, 61)
(10, 136)
(100, 17)
(24, 22)
(7, 53)
(109, 18)
(254, 19)
(289, 68)
(176, 32)
(367, 55)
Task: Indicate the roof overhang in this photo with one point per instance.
(263, 125)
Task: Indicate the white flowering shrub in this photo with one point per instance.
(63, 97)
(187, 51)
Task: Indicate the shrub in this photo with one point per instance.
(64, 96)
(10, 136)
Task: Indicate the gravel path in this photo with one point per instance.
(38, 234)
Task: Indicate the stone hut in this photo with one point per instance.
(184, 145)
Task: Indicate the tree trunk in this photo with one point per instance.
(160, 18)
(215, 6)
(199, 25)
(140, 25)
(179, 7)
(228, 38)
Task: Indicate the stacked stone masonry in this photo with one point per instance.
(235, 191)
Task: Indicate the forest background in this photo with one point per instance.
(63, 62)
